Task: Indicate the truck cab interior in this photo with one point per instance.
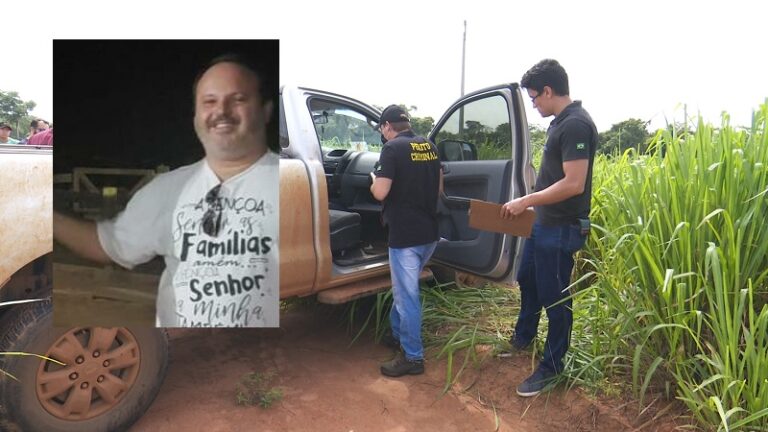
(350, 148)
(482, 141)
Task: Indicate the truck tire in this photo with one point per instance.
(111, 377)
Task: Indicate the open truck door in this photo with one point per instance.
(483, 144)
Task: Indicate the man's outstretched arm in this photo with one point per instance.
(80, 237)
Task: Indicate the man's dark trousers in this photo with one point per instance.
(544, 275)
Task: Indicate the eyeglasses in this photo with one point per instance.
(212, 217)
(533, 99)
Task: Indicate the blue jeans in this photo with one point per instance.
(544, 275)
(405, 265)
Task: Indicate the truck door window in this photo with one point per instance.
(477, 130)
(341, 127)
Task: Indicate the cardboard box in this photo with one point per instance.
(486, 216)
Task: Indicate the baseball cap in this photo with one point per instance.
(4, 125)
(393, 113)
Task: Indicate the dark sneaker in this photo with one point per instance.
(400, 366)
(537, 382)
(515, 347)
(389, 341)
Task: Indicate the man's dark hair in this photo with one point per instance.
(547, 72)
(400, 126)
(33, 124)
(246, 62)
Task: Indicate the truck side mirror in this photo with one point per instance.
(452, 151)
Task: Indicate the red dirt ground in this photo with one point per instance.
(329, 386)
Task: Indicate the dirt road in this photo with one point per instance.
(329, 386)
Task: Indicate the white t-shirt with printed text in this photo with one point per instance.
(230, 280)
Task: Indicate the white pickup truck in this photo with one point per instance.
(332, 245)
(332, 240)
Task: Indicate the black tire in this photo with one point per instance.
(28, 328)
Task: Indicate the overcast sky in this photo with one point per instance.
(642, 59)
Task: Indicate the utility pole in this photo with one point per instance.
(463, 57)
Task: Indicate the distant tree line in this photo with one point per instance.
(630, 133)
(15, 112)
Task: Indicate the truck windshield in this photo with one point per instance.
(342, 127)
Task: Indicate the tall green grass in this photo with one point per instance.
(677, 272)
(671, 293)
(454, 321)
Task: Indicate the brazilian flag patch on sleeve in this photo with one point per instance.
(580, 146)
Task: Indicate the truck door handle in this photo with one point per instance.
(454, 202)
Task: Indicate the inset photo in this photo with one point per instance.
(166, 183)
